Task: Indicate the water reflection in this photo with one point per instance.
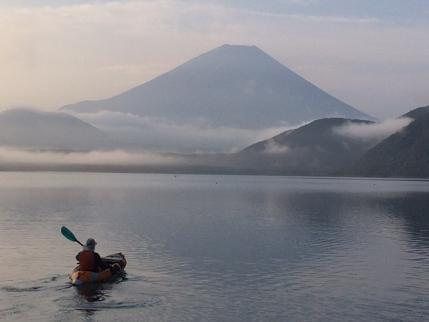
(91, 292)
(247, 248)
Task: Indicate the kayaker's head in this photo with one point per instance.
(90, 244)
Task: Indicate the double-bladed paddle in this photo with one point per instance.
(69, 235)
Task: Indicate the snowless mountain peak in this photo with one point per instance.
(230, 86)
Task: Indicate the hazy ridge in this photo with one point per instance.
(235, 95)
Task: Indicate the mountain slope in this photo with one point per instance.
(27, 128)
(314, 149)
(403, 154)
(233, 86)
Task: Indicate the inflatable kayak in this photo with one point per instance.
(116, 263)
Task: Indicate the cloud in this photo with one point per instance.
(164, 135)
(312, 18)
(15, 156)
(373, 131)
(272, 147)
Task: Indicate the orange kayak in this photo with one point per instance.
(116, 263)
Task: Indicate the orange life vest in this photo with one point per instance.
(87, 261)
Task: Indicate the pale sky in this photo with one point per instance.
(372, 54)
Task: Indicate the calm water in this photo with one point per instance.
(217, 248)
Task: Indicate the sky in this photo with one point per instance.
(373, 55)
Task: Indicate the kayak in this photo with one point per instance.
(116, 262)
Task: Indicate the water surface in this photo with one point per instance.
(217, 248)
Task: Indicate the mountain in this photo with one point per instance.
(403, 154)
(26, 128)
(317, 148)
(230, 86)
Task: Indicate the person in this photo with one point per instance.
(88, 259)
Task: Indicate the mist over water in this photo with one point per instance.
(231, 248)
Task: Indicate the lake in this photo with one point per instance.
(217, 248)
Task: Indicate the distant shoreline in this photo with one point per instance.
(195, 171)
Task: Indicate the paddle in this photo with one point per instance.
(69, 235)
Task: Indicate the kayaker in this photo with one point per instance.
(88, 259)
